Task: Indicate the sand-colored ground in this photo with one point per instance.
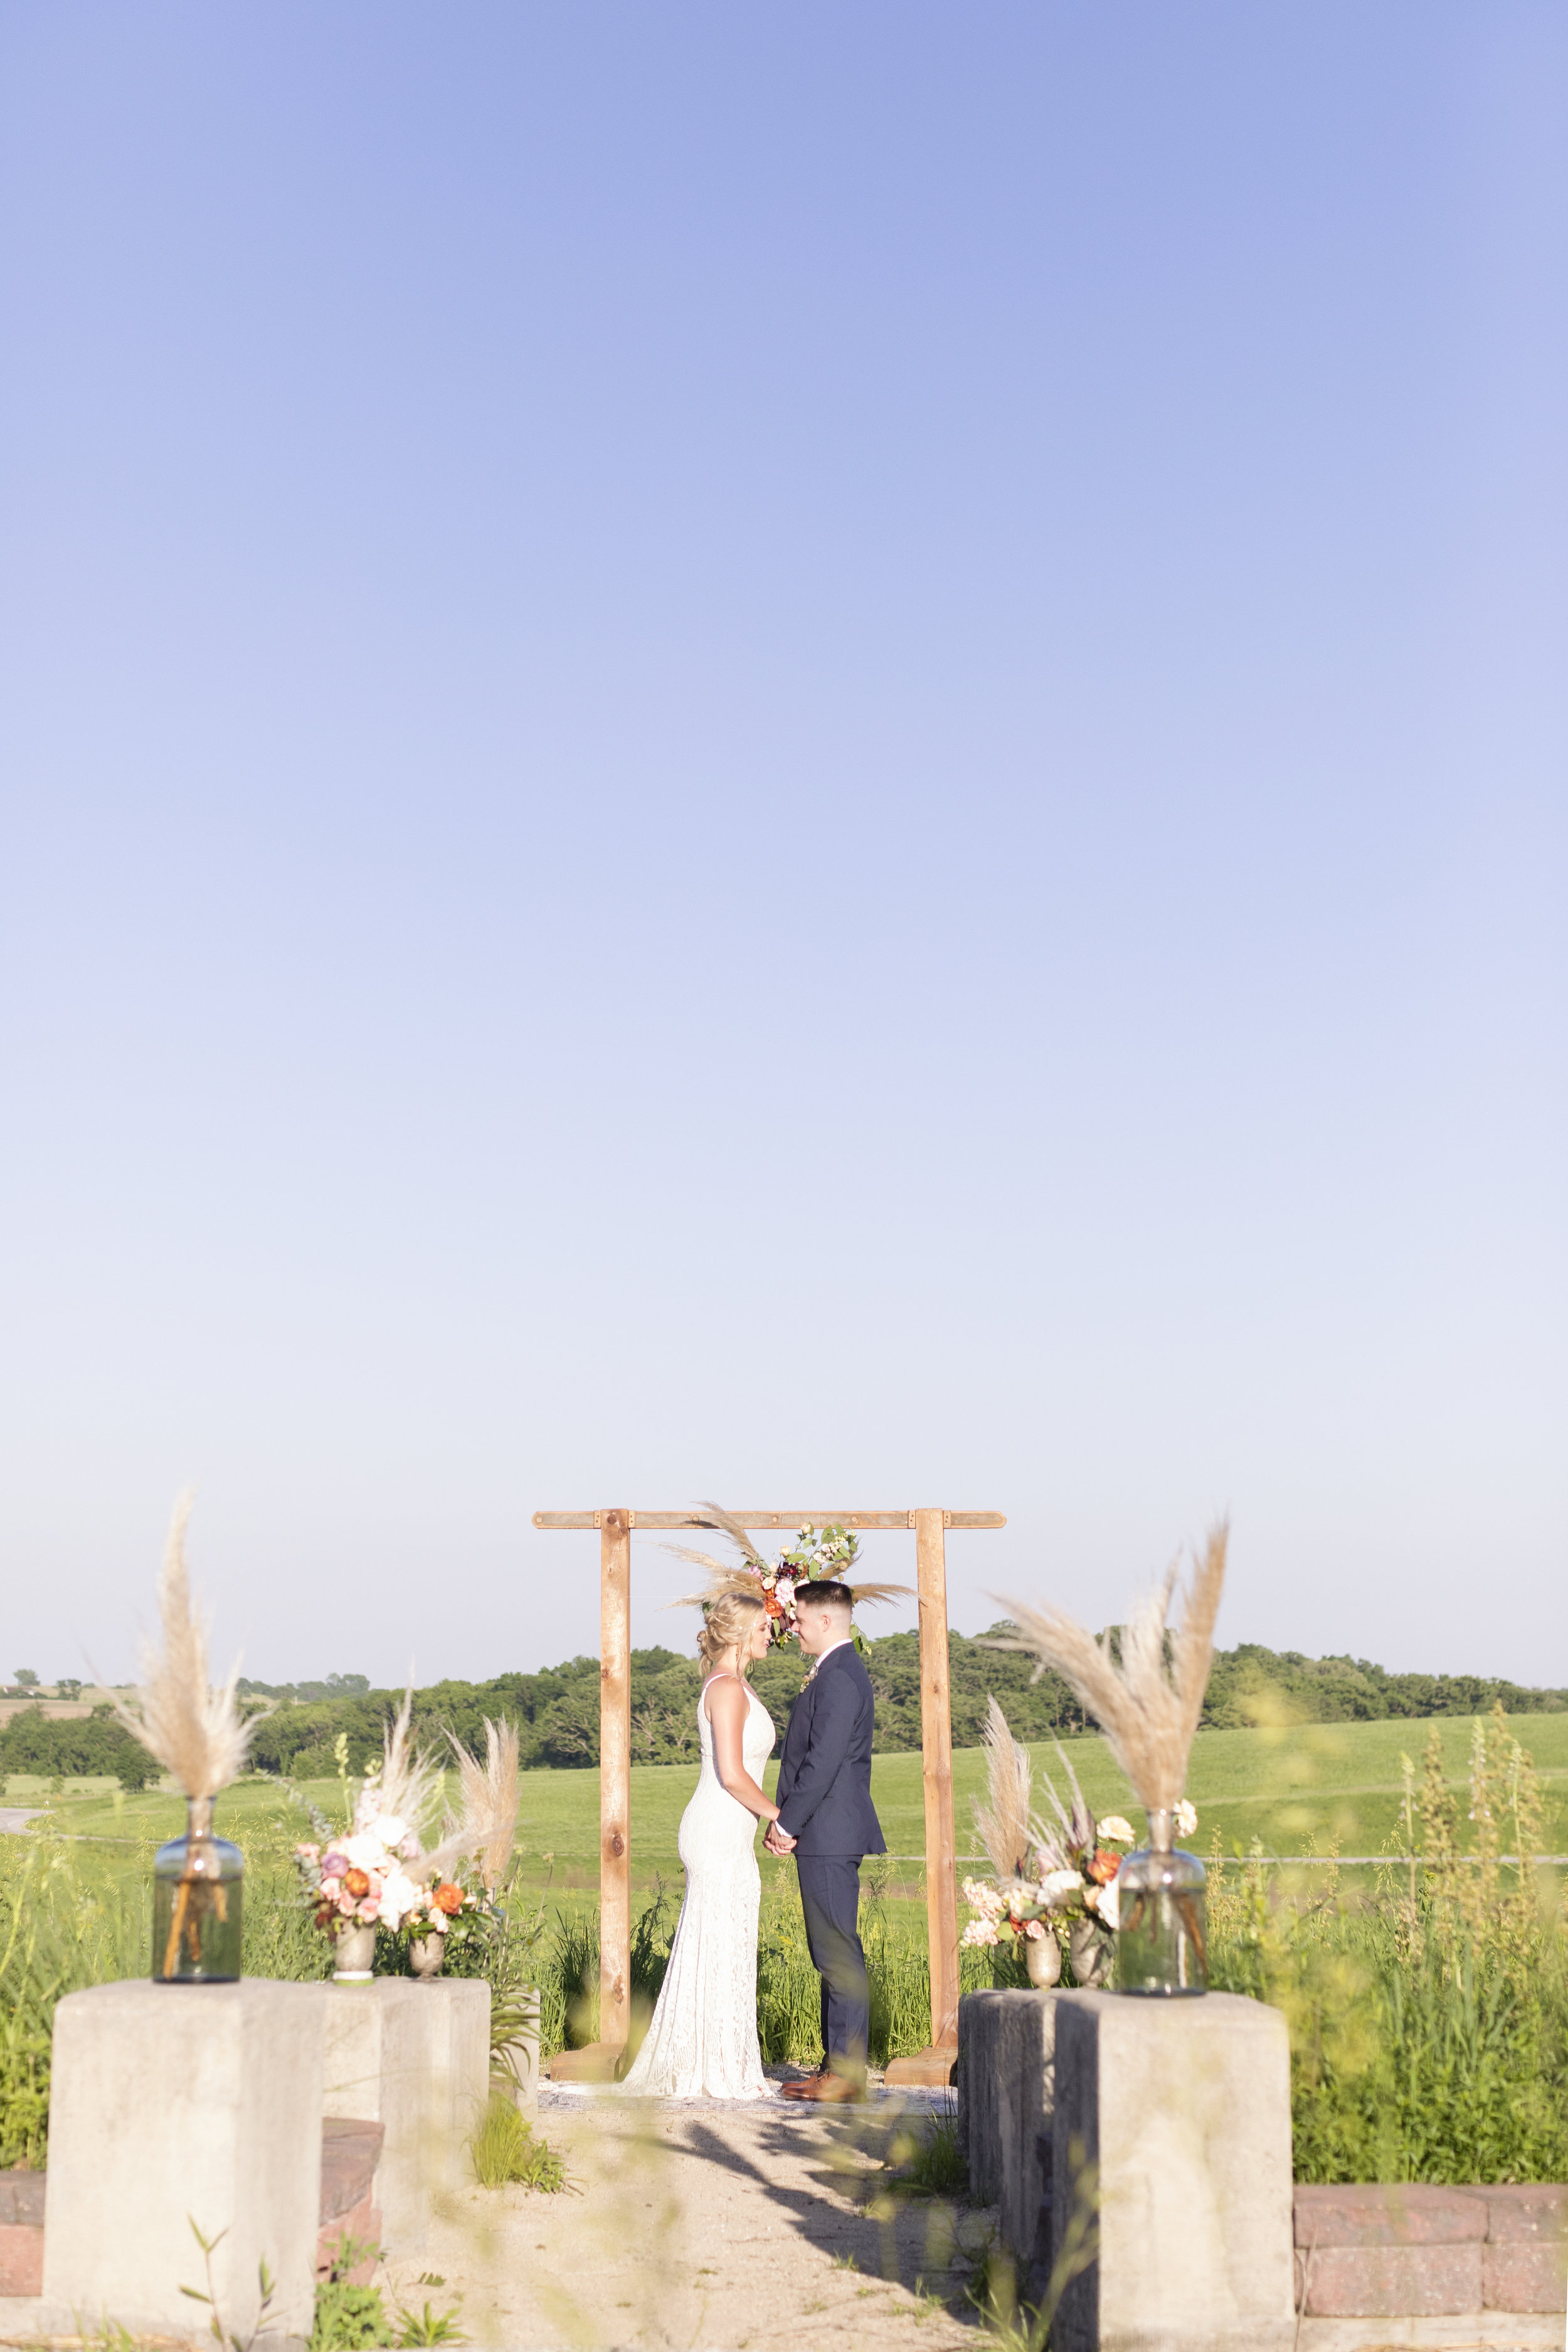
(710, 2229)
(699, 2229)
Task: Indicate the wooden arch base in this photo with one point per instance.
(600, 2060)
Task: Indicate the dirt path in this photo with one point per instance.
(709, 2228)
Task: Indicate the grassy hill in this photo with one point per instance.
(1285, 1785)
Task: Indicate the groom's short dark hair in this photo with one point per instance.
(824, 1593)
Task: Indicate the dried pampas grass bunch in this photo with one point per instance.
(1005, 1821)
(743, 1575)
(406, 1784)
(1148, 1710)
(487, 1825)
(192, 1728)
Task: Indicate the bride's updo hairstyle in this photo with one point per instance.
(729, 1620)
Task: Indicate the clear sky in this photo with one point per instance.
(813, 754)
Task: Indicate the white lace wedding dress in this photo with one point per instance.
(702, 2043)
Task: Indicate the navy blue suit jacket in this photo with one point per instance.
(825, 1778)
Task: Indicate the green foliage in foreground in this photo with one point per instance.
(352, 2318)
(504, 2152)
(1429, 2024)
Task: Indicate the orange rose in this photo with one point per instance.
(447, 1898)
(774, 1606)
(356, 1882)
(1104, 1867)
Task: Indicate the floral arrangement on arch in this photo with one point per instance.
(817, 1554)
(378, 1873)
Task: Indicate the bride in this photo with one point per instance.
(702, 2043)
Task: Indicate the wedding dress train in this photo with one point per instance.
(702, 2043)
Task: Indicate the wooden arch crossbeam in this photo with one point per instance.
(615, 1526)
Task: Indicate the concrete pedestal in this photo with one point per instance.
(415, 2059)
(174, 2104)
(1006, 2097)
(1183, 2109)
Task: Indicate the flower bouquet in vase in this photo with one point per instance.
(1147, 1693)
(378, 1893)
(1050, 1885)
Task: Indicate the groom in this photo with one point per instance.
(827, 1821)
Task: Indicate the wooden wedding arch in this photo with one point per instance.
(932, 2065)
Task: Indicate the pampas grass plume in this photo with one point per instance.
(488, 1822)
(194, 1730)
(1003, 1821)
(1147, 1712)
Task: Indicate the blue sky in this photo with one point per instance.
(811, 754)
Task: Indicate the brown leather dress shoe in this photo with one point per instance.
(833, 2090)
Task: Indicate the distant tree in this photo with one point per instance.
(568, 1733)
(69, 1687)
(35, 1742)
(27, 1677)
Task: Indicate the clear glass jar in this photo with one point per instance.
(1162, 1944)
(197, 1884)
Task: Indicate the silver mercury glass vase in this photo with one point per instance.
(1161, 1948)
(1162, 1944)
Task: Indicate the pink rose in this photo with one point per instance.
(369, 1911)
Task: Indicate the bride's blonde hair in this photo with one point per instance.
(729, 1620)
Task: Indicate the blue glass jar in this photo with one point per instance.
(197, 1890)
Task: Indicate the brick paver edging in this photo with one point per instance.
(1416, 2251)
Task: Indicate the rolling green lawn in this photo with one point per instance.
(1338, 1782)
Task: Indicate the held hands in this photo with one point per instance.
(778, 1841)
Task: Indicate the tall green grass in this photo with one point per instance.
(1428, 2022)
(1428, 2013)
(789, 1990)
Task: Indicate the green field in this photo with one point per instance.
(1312, 1784)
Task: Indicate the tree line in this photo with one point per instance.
(557, 1710)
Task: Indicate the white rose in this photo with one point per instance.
(1059, 1887)
(1186, 1819)
(391, 1830)
(1110, 1906)
(364, 1851)
(399, 1896)
(1113, 1826)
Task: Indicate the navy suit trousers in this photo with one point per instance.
(830, 1897)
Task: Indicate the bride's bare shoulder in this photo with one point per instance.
(725, 1697)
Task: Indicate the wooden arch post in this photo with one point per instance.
(932, 2065)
